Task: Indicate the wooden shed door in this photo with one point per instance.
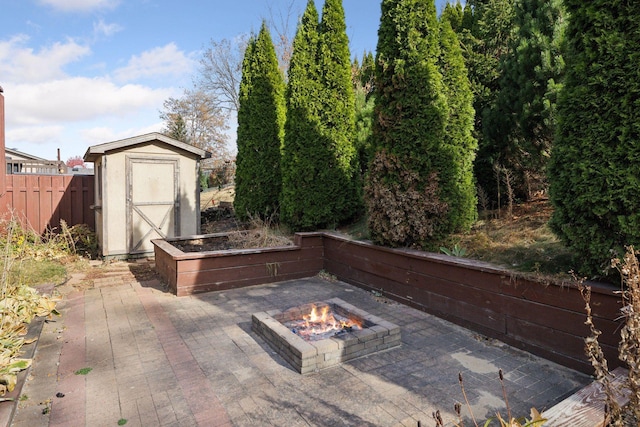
(153, 202)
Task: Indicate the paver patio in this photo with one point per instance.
(159, 360)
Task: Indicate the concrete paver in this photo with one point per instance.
(159, 360)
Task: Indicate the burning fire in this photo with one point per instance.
(322, 323)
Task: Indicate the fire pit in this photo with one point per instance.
(316, 336)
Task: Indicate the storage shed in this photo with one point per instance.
(146, 187)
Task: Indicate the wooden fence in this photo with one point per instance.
(40, 202)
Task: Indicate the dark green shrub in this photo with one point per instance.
(411, 192)
(319, 158)
(456, 177)
(261, 119)
(595, 165)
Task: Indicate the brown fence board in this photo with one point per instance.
(40, 202)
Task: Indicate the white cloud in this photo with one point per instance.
(23, 64)
(80, 5)
(160, 61)
(77, 99)
(101, 28)
(35, 134)
(102, 134)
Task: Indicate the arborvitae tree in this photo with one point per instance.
(319, 187)
(454, 14)
(520, 125)
(403, 192)
(366, 72)
(363, 77)
(299, 168)
(339, 179)
(594, 171)
(457, 181)
(261, 119)
(485, 37)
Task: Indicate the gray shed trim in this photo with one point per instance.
(95, 151)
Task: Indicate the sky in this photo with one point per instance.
(77, 73)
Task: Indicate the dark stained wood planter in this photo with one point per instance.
(187, 273)
(544, 319)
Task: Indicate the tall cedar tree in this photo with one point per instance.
(261, 119)
(319, 158)
(454, 14)
(457, 181)
(363, 76)
(342, 187)
(485, 34)
(403, 193)
(520, 125)
(301, 127)
(595, 165)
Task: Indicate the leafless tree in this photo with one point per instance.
(283, 33)
(203, 120)
(221, 71)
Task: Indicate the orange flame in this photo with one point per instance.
(322, 320)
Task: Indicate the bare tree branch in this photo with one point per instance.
(284, 33)
(204, 121)
(221, 71)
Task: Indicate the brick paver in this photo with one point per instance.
(159, 360)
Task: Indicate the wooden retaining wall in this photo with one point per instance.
(189, 273)
(543, 319)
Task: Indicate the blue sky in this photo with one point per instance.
(76, 73)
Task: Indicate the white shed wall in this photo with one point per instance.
(114, 236)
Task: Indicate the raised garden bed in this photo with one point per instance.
(189, 272)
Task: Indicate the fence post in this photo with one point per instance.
(3, 160)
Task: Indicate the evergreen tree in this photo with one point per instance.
(594, 172)
(363, 76)
(176, 128)
(457, 182)
(454, 14)
(302, 140)
(520, 125)
(366, 72)
(404, 196)
(337, 119)
(319, 179)
(261, 119)
(485, 36)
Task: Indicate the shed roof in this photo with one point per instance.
(95, 151)
(12, 153)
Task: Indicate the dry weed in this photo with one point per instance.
(19, 304)
(261, 233)
(628, 348)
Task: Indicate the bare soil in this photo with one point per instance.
(203, 245)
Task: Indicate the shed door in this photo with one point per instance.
(153, 202)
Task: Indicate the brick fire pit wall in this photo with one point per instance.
(546, 319)
(311, 356)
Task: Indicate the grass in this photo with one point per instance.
(521, 242)
(30, 272)
(83, 371)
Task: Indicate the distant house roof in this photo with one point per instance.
(95, 151)
(13, 154)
